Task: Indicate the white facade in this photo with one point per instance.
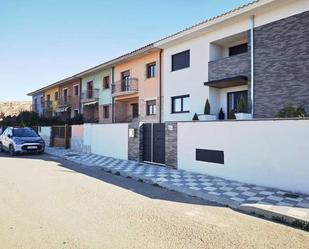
(45, 132)
(267, 153)
(199, 40)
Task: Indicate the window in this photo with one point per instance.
(180, 104)
(125, 81)
(76, 112)
(134, 110)
(239, 49)
(106, 111)
(89, 89)
(65, 96)
(76, 90)
(56, 96)
(232, 102)
(151, 70)
(151, 107)
(35, 105)
(42, 99)
(181, 60)
(106, 82)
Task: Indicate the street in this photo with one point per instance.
(47, 202)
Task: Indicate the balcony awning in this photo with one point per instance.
(228, 82)
(90, 103)
(62, 109)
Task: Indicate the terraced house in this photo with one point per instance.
(38, 102)
(96, 97)
(256, 55)
(61, 98)
(137, 87)
(51, 98)
(68, 105)
(258, 52)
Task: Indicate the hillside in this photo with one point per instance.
(14, 107)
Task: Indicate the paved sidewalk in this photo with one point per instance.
(271, 203)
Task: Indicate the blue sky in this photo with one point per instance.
(45, 41)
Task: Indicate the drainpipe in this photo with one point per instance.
(160, 87)
(252, 63)
(80, 95)
(113, 100)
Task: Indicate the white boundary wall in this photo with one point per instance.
(45, 133)
(107, 139)
(270, 153)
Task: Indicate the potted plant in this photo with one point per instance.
(221, 114)
(207, 115)
(195, 117)
(241, 109)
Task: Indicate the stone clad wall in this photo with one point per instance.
(281, 65)
(229, 67)
(171, 144)
(135, 148)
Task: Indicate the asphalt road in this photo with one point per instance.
(46, 202)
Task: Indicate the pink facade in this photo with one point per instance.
(78, 131)
(143, 83)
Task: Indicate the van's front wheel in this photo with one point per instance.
(12, 150)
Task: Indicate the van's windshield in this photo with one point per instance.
(24, 132)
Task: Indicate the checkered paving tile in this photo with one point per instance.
(238, 192)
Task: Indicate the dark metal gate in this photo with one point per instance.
(61, 136)
(154, 143)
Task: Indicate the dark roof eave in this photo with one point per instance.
(228, 82)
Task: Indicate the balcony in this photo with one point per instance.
(229, 67)
(89, 96)
(48, 108)
(126, 86)
(48, 105)
(64, 101)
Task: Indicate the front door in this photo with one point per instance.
(154, 143)
(232, 102)
(125, 81)
(135, 110)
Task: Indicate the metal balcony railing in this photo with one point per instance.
(48, 105)
(90, 95)
(125, 86)
(64, 101)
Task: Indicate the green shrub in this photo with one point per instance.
(30, 119)
(290, 111)
(207, 108)
(195, 117)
